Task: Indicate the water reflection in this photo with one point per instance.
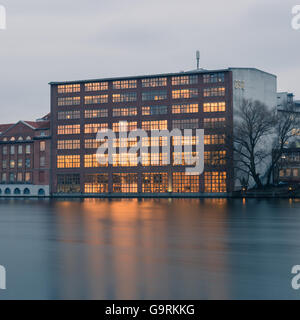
(151, 249)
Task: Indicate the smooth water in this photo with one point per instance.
(149, 249)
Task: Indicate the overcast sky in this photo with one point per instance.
(56, 40)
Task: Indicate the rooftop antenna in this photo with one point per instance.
(198, 59)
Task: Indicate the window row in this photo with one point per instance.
(20, 149)
(16, 177)
(146, 111)
(152, 182)
(146, 83)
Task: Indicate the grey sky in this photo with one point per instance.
(54, 40)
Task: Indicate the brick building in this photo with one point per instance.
(25, 158)
(187, 100)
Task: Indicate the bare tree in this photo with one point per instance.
(253, 127)
(287, 120)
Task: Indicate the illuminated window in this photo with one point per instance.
(20, 163)
(68, 88)
(91, 160)
(42, 146)
(154, 110)
(214, 139)
(19, 176)
(124, 111)
(124, 84)
(154, 95)
(213, 78)
(92, 144)
(96, 99)
(214, 123)
(69, 129)
(155, 182)
(96, 183)
(68, 101)
(124, 126)
(125, 160)
(68, 115)
(214, 92)
(215, 158)
(68, 183)
(90, 114)
(183, 80)
(125, 97)
(185, 124)
(154, 159)
(154, 82)
(183, 183)
(185, 108)
(70, 161)
(12, 164)
(185, 141)
(214, 107)
(125, 182)
(155, 125)
(96, 86)
(184, 158)
(154, 141)
(125, 142)
(94, 127)
(215, 182)
(68, 144)
(27, 176)
(185, 93)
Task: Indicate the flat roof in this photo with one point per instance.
(190, 72)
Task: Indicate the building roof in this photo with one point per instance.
(196, 71)
(4, 127)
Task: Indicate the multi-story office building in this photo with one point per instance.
(188, 100)
(288, 169)
(25, 158)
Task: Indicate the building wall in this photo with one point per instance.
(253, 84)
(22, 169)
(170, 172)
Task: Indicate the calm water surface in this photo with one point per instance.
(149, 249)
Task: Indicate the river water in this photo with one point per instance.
(149, 249)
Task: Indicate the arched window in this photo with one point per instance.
(17, 191)
(7, 191)
(20, 139)
(41, 192)
(12, 139)
(26, 191)
(28, 138)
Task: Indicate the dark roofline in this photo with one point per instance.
(191, 72)
(141, 76)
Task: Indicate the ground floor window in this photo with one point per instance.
(68, 183)
(96, 183)
(184, 183)
(125, 182)
(155, 182)
(215, 182)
